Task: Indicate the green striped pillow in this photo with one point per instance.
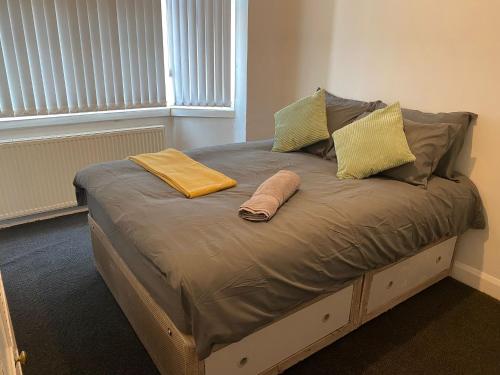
(301, 123)
(372, 144)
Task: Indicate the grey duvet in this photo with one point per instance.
(220, 277)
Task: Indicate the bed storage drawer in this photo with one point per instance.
(391, 285)
(267, 347)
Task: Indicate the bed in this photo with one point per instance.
(209, 293)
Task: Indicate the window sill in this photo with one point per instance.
(125, 114)
(179, 111)
(80, 118)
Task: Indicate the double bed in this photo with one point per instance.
(210, 293)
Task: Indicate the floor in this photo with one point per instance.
(68, 322)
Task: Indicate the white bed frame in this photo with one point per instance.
(280, 345)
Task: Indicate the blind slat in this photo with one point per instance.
(59, 56)
(132, 52)
(159, 53)
(54, 50)
(122, 27)
(226, 53)
(141, 49)
(33, 57)
(149, 38)
(107, 64)
(86, 53)
(218, 52)
(114, 41)
(192, 52)
(66, 36)
(43, 52)
(184, 53)
(209, 52)
(95, 47)
(9, 56)
(21, 54)
(200, 43)
(5, 101)
(175, 51)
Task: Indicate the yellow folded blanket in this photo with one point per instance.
(191, 178)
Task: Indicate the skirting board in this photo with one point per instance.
(42, 216)
(477, 279)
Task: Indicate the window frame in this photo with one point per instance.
(73, 119)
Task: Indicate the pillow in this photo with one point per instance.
(339, 112)
(301, 123)
(446, 166)
(428, 144)
(375, 143)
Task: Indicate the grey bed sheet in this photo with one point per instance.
(220, 277)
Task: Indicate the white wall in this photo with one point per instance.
(429, 55)
(185, 133)
(433, 56)
(288, 56)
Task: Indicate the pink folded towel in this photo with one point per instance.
(269, 196)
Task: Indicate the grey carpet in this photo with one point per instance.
(68, 322)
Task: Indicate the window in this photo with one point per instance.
(63, 56)
(199, 39)
(69, 56)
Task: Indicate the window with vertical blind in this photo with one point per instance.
(63, 56)
(199, 39)
(69, 56)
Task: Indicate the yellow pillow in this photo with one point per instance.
(372, 144)
(301, 123)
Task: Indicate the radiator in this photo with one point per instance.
(36, 175)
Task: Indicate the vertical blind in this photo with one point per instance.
(61, 56)
(199, 38)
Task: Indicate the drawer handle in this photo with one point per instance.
(169, 331)
(390, 284)
(22, 358)
(326, 317)
(243, 361)
(438, 259)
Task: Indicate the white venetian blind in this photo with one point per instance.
(61, 56)
(199, 36)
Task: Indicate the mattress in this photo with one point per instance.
(219, 278)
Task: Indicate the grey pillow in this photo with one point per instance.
(446, 166)
(339, 113)
(428, 144)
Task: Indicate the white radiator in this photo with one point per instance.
(36, 175)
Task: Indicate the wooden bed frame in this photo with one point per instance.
(278, 346)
